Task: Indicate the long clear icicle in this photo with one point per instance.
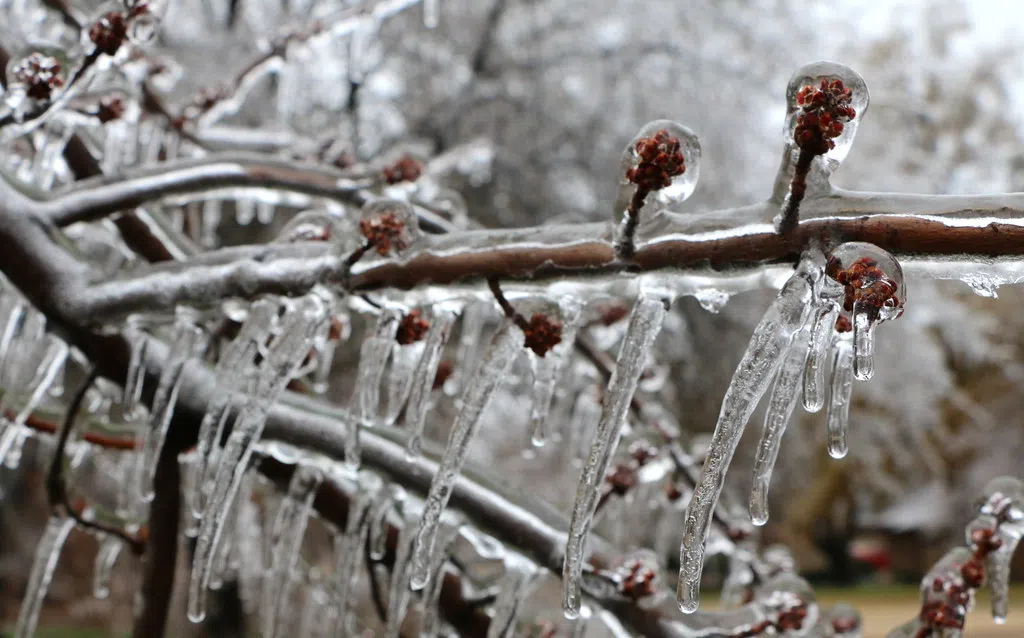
(187, 338)
(237, 355)
(286, 541)
(785, 395)
(817, 356)
(644, 325)
(863, 344)
(512, 590)
(547, 371)
(398, 591)
(441, 323)
(283, 356)
(135, 377)
(373, 357)
(43, 567)
(839, 402)
(755, 372)
(430, 621)
(492, 368)
(106, 558)
(349, 548)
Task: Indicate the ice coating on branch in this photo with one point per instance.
(365, 403)
(300, 322)
(662, 163)
(784, 397)
(185, 343)
(825, 103)
(43, 566)
(493, 367)
(644, 325)
(441, 322)
(765, 353)
(872, 291)
(839, 402)
(285, 541)
(512, 590)
(106, 557)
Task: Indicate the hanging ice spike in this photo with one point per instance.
(373, 357)
(43, 567)
(302, 319)
(644, 326)
(480, 387)
(765, 353)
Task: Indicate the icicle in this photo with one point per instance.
(135, 377)
(644, 326)
(474, 318)
(398, 592)
(110, 549)
(349, 547)
(839, 403)
(285, 353)
(431, 13)
(43, 567)
(817, 356)
(785, 395)
(430, 620)
(441, 322)
(186, 340)
(755, 372)
(373, 357)
(493, 367)
(512, 590)
(315, 614)
(586, 412)
(405, 360)
(249, 544)
(245, 211)
(286, 541)
(863, 345)
(56, 354)
(238, 355)
(547, 371)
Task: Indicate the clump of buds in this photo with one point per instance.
(109, 32)
(542, 333)
(406, 169)
(872, 283)
(385, 232)
(661, 160)
(109, 108)
(637, 579)
(39, 73)
(825, 110)
(412, 328)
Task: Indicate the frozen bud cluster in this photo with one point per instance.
(389, 226)
(38, 74)
(660, 163)
(823, 112)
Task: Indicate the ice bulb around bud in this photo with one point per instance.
(825, 103)
(40, 73)
(660, 167)
(390, 226)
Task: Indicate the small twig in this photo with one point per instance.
(506, 307)
(627, 246)
(797, 189)
(57, 491)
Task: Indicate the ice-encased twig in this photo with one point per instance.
(285, 353)
(784, 397)
(480, 387)
(286, 540)
(772, 336)
(106, 557)
(43, 567)
(822, 333)
(365, 404)
(644, 325)
(441, 322)
(839, 402)
(512, 590)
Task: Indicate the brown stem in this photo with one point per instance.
(506, 307)
(626, 247)
(797, 189)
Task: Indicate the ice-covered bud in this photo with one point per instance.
(542, 334)
(638, 575)
(825, 102)
(144, 18)
(660, 165)
(390, 226)
(845, 621)
(412, 328)
(1003, 499)
(38, 74)
(110, 108)
(314, 225)
(108, 32)
(872, 290)
(406, 169)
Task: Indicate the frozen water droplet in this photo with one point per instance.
(825, 103)
(662, 163)
(822, 334)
